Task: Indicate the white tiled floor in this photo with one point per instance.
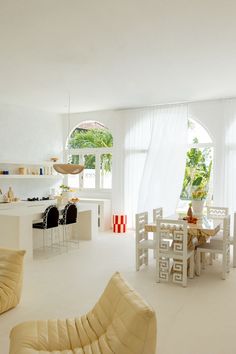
(199, 319)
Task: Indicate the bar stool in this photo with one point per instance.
(50, 222)
(69, 217)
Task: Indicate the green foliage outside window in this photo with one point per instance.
(197, 174)
(92, 138)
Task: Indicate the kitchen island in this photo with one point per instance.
(16, 224)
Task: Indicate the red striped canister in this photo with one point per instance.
(119, 223)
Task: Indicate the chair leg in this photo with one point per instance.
(198, 262)
(191, 269)
(234, 254)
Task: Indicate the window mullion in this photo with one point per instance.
(81, 175)
(97, 170)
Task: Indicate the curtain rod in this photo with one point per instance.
(174, 103)
(155, 105)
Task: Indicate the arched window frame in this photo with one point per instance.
(81, 152)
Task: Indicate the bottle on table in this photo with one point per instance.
(190, 212)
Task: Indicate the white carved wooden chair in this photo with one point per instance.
(218, 214)
(172, 252)
(143, 244)
(157, 214)
(221, 246)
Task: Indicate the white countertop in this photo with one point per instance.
(37, 207)
(26, 203)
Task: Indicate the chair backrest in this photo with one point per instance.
(51, 217)
(141, 221)
(172, 242)
(126, 321)
(217, 213)
(157, 214)
(174, 230)
(69, 214)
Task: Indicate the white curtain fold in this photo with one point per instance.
(165, 162)
(155, 157)
(137, 125)
(230, 154)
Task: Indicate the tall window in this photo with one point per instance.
(198, 171)
(90, 144)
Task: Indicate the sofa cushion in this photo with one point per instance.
(11, 274)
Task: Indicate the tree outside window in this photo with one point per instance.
(199, 159)
(90, 137)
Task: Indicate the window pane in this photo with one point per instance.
(106, 171)
(198, 172)
(89, 173)
(74, 159)
(73, 180)
(90, 134)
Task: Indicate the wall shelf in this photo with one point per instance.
(30, 176)
(31, 170)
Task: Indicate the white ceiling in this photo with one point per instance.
(115, 53)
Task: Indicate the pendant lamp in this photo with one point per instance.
(68, 168)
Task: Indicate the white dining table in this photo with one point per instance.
(197, 233)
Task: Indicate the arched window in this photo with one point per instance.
(90, 144)
(199, 160)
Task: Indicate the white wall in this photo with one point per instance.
(29, 136)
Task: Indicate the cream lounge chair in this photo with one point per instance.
(11, 274)
(120, 323)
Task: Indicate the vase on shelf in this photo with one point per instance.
(197, 206)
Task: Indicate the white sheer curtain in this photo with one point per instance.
(230, 154)
(165, 163)
(155, 156)
(137, 128)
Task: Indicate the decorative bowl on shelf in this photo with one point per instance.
(54, 159)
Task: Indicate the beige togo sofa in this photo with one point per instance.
(11, 274)
(121, 322)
